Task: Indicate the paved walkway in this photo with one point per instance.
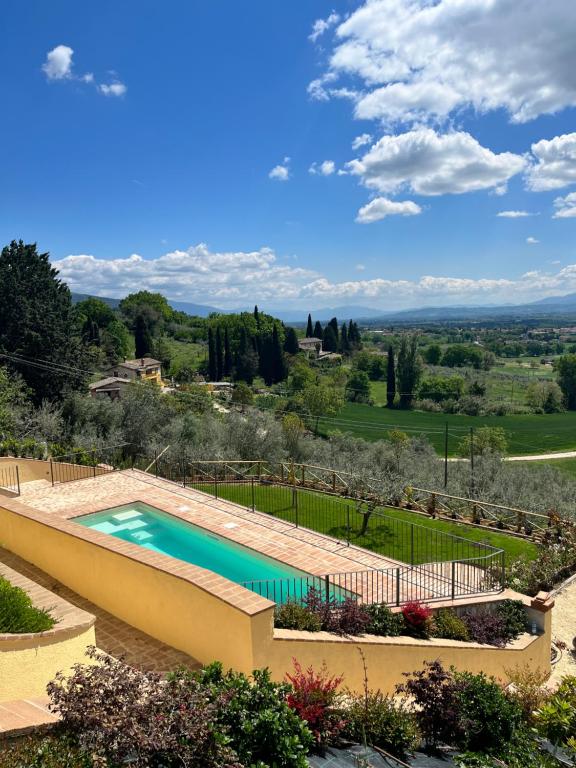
(564, 629)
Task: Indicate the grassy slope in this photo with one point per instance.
(526, 433)
(327, 515)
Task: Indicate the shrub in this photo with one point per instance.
(314, 698)
(417, 619)
(556, 719)
(376, 719)
(257, 717)
(118, 714)
(461, 709)
(449, 626)
(522, 752)
(383, 622)
(486, 628)
(348, 618)
(528, 689)
(291, 615)
(513, 614)
(18, 615)
(58, 750)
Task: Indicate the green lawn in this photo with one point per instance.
(390, 535)
(526, 433)
(568, 466)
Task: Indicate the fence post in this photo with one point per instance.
(183, 473)
(295, 492)
(215, 483)
(252, 485)
(503, 569)
(18, 479)
(397, 586)
(334, 482)
(51, 472)
(156, 462)
(411, 544)
(453, 579)
(348, 525)
(327, 588)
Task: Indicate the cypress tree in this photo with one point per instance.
(219, 355)
(329, 340)
(143, 341)
(277, 362)
(246, 364)
(227, 354)
(334, 324)
(344, 344)
(408, 371)
(390, 379)
(256, 315)
(317, 330)
(212, 365)
(309, 328)
(291, 342)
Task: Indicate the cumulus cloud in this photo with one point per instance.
(514, 214)
(281, 172)
(554, 163)
(429, 163)
(565, 206)
(532, 241)
(420, 60)
(322, 25)
(238, 278)
(381, 207)
(362, 140)
(325, 168)
(112, 89)
(58, 64)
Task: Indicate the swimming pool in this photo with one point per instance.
(159, 531)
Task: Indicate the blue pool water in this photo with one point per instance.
(150, 528)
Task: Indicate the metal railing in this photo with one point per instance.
(10, 479)
(81, 465)
(426, 583)
(342, 483)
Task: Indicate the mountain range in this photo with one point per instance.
(548, 307)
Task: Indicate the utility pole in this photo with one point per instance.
(446, 456)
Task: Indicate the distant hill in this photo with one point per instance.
(553, 306)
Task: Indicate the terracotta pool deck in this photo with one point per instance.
(314, 553)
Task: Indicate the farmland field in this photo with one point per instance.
(526, 433)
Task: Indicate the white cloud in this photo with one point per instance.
(360, 267)
(236, 279)
(325, 168)
(532, 241)
(58, 64)
(555, 163)
(381, 207)
(362, 140)
(514, 214)
(420, 60)
(429, 163)
(322, 25)
(565, 206)
(112, 89)
(281, 172)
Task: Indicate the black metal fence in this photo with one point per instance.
(82, 465)
(10, 478)
(429, 582)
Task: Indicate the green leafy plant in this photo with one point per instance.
(528, 688)
(376, 719)
(383, 621)
(449, 626)
(513, 613)
(262, 727)
(18, 615)
(291, 615)
(58, 750)
(556, 718)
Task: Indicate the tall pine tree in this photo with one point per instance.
(309, 328)
(408, 370)
(329, 340)
(390, 379)
(291, 341)
(317, 330)
(227, 354)
(212, 365)
(143, 342)
(219, 355)
(278, 362)
(246, 362)
(334, 324)
(344, 344)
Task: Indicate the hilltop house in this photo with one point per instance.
(122, 374)
(311, 345)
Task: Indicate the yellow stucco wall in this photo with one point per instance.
(193, 619)
(27, 667)
(36, 469)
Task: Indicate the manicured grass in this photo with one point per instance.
(18, 615)
(387, 535)
(567, 466)
(526, 433)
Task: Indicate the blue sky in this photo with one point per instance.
(205, 149)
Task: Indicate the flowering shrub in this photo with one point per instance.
(417, 619)
(486, 628)
(556, 560)
(378, 720)
(314, 697)
(348, 618)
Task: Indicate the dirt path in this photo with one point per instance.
(564, 628)
(530, 457)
